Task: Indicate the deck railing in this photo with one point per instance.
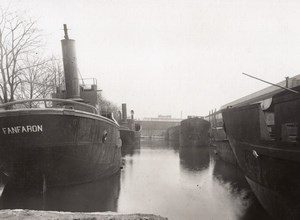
(55, 102)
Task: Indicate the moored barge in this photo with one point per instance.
(265, 136)
(218, 138)
(130, 131)
(172, 134)
(65, 141)
(194, 131)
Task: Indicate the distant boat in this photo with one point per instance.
(219, 138)
(194, 131)
(172, 134)
(264, 135)
(64, 142)
(130, 131)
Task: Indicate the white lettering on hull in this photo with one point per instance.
(22, 129)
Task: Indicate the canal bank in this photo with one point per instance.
(51, 215)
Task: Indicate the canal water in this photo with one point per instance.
(159, 178)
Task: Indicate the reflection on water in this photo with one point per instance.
(185, 183)
(96, 196)
(193, 158)
(160, 178)
(173, 144)
(231, 178)
(130, 149)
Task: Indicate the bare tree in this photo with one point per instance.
(107, 106)
(19, 40)
(40, 78)
(54, 67)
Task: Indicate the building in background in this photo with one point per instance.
(156, 127)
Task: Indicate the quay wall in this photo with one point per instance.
(16, 214)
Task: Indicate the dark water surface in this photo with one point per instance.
(160, 178)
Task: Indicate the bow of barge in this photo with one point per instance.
(64, 140)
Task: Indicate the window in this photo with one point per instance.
(289, 132)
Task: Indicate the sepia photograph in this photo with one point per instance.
(150, 109)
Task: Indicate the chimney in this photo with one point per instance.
(287, 82)
(70, 66)
(124, 112)
(132, 114)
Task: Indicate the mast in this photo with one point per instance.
(285, 88)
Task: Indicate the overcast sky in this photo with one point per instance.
(175, 56)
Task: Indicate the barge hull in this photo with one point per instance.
(194, 132)
(270, 165)
(61, 147)
(129, 137)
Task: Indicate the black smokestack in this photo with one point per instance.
(70, 66)
(124, 112)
